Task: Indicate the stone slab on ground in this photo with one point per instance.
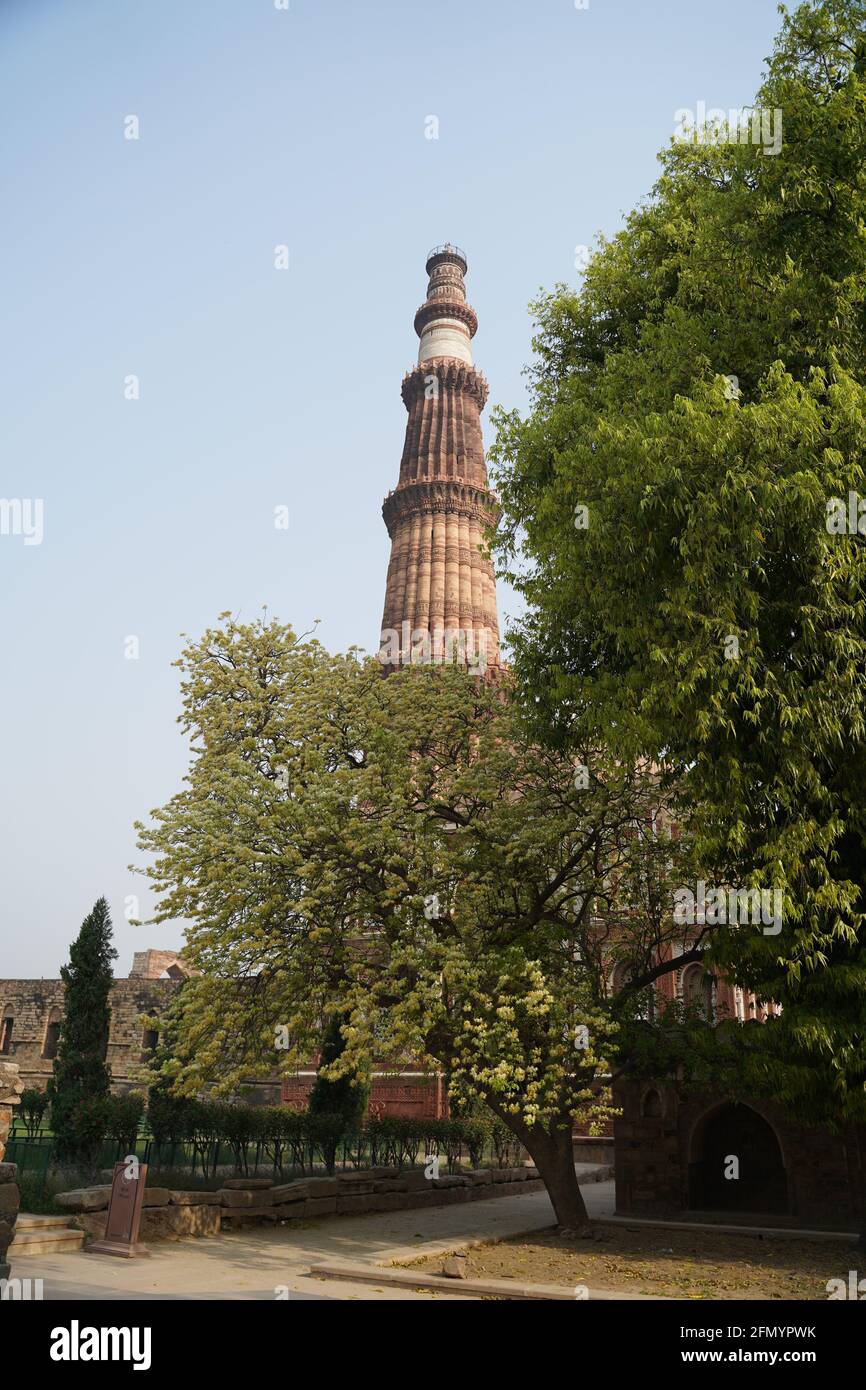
(236, 1215)
(238, 1198)
(479, 1288)
(322, 1187)
(290, 1192)
(321, 1206)
(156, 1196)
(354, 1202)
(170, 1223)
(733, 1229)
(195, 1199)
(248, 1184)
(84, 1199)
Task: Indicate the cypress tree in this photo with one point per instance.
(339, 1097)
(81, 1073)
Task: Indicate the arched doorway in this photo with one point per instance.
(736, 1139)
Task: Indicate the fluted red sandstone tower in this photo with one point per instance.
(440, 595)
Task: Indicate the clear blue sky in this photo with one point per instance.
(259, 387)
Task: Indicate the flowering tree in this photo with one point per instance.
(397, 850)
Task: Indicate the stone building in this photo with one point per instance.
(31, 1012)
(673, 1155)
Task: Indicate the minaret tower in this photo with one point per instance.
(440, 595)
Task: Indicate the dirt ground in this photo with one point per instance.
(670, 1264)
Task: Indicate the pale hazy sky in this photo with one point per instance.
(259, 387)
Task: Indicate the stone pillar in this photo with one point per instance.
(10, 1090)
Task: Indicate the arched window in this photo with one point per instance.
(644, 1001)
(697, 990)
(7, 1023)
(619, 977)
(652, 1106)
(52, 1034)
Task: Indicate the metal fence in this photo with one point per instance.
(209, 1159)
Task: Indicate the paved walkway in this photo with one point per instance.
(255, 1264)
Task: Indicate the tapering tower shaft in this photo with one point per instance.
(440, 595)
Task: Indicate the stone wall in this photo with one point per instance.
(10, 1090)
(243, 1202)
(32, 1003)
(658, 1156)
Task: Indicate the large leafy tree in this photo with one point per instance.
(696, 408)
(81, 1077)
(394, 850)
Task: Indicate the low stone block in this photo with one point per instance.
(248, 1184)
(425, 1198)
(8, 1172)
(501, 1175)
(290, 1213)
(175, 1222)
(322, 1187)
(356, 1188)
(391, 1185)
(156, 1196)
(392, 1201)
(416, 1180)
(237, 1198)
(195, 1199)
(480, 1176)
(353, 1204)
(518, 1174)
(9, 1198)
(237, 1218)
(383, 1171)
(290, 1192)
(451, 1180)
(449, 1196)
(321, 1206)
(84, 1199)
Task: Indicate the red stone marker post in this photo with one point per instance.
(124, 1214)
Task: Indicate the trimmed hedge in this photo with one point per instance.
(285, 1138)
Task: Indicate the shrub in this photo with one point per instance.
(324, 1133)
(240, 1126)
(123, 1119)
(31, 1110)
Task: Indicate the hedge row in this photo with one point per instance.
(282, 1138)
(290, 1138)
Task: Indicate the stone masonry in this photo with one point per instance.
(33, 1005)
(10, 1090)
(440, 596)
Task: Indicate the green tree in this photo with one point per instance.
(346, 1095)
(80, 1074)
(670, 515)
(31, 1108)
(396, 851)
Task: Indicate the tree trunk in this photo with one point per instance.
(552, 1153)
(860, 1183)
